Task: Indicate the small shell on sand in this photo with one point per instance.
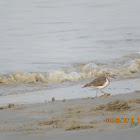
(63, 100)
(53, 99)
(11, 105)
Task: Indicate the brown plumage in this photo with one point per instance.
(100, 82)
(96, 82)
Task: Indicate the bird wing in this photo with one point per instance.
(96, 82)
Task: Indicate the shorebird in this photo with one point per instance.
(100, 82)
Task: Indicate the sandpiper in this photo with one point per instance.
(100, 82)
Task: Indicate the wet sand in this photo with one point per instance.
(73, 118)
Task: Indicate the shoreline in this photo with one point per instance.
(75, 91)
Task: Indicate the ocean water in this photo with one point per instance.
(48, 44)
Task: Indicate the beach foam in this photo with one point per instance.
(71, 74)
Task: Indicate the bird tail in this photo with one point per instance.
(87, 85)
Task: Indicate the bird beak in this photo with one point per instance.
(112, 77)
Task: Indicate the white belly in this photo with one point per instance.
(103, 86)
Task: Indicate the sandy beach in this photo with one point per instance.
(75, 118)
(49, 50)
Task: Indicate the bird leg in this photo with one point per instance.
(97, 92)
(104, 92)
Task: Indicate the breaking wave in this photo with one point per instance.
(71, 74)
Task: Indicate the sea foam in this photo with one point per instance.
(87, 71)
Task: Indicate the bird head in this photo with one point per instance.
(107, 75)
